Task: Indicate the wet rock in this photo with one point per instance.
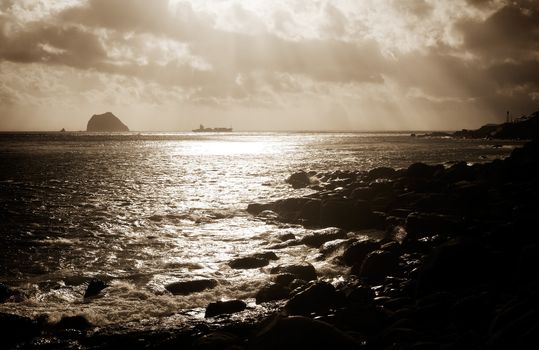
(286, 237)
(266, 255)
(303, 271)
(381, 173)
(284, 279)
(333, 248)
(320, 237)
(297, 332)
(460, 171)
(218, 341)
(249, 262)
(356, 253)
(189, 287)
(5, 292)
(346, 213)
(94, 287)
(224, 307)
(299, 180)
(319, 297)
(73, 322)
(377, 266)
(428, 224)
(362, 295)
(271, 292)
(309, 213)
(257, 208)
(422, 170)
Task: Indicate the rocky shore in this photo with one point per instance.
(452, 268)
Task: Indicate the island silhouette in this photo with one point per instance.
(106, 122)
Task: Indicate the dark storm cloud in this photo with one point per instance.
(41, 42)
(506, 50)
(511, 32)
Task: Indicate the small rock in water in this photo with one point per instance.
(94, 287)
(188, 287)
(224, 307)
(249, 262)
(299, 180)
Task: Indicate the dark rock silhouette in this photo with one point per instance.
(319, 297)
(524, 128)
(271, 292)
(303, 271)
(188, 287)
(224, 307)
(106, 122)
(253, 261)
(94, 287)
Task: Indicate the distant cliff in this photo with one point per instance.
(524, 128)
(106, 122)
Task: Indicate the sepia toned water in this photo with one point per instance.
(144, 210)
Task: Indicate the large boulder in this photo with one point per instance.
(346, 213)
(357, 251)
(303, 271)
(106, 122)
(377, 266)
(319, 297)
(224, 307)
(299, 180)
(271, 292)
(189, 287)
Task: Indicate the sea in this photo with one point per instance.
(142, 210)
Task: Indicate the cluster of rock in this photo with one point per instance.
(455, 267)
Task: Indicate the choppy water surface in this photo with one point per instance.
(144, 210)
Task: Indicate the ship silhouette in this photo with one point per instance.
(203, 129)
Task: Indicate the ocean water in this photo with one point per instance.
(145, 210)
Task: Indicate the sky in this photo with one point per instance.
(361, 65)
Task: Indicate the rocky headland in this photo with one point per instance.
(523, 128)
(106, 122)
(453, 267)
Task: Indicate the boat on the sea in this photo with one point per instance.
(203, 129)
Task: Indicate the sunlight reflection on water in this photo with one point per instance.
(144, 211)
